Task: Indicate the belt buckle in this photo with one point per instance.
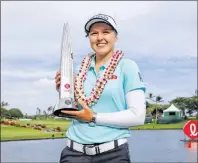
(91, 149)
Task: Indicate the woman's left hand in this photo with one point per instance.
(86, 114)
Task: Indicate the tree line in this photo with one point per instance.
(187, 105)
(153, 104)
(17, 113)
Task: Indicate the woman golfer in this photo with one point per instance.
(110, 95)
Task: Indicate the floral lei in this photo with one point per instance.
(100, 83)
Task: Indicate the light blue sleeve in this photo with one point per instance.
(132, 76)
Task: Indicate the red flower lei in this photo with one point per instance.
(100, 84)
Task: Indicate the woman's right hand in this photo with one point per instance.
(57, 80)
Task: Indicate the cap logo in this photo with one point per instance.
(100, 16)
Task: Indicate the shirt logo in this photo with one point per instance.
(113, 77)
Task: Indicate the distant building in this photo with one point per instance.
(172, 111)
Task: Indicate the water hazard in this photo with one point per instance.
(145, 146)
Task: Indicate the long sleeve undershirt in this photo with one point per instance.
(133, 116)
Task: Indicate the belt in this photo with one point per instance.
(95, 149)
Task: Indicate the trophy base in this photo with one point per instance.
(67, 105)
(58, 112)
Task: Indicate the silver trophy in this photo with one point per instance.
(66, 90)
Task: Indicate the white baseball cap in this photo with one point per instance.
(101, 18)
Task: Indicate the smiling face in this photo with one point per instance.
(102, 38)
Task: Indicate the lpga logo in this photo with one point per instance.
(191, 129)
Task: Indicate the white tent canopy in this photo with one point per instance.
(172, 108)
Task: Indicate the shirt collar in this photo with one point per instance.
(93, 61)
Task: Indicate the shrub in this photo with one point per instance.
(6, 122)
(40, 128)
(35, 127)
(24, 126)
(169, 120)
(43, 126)
(13, 123)
(3, 122)
(148, 120)
(58, 129)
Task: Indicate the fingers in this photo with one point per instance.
(57, 80)
(58, 86)
(58, 73)
(76, 113)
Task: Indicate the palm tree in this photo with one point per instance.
(150, 97)
(45, 113)
(4, 104)
(157, 100)
(147, 104)
(38, 111)
(49, 109)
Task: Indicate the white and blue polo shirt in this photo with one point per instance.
(127, 78)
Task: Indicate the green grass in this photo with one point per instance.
(50, 123)
(193, 118)
(18, 133)
(154, 126)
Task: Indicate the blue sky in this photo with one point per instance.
(160, 36)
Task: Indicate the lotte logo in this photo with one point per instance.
(191, 129)
(67, 86)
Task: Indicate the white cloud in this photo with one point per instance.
(39, 33)
(28, 75)
(45, 83)
(169, 30)
(28, 95)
